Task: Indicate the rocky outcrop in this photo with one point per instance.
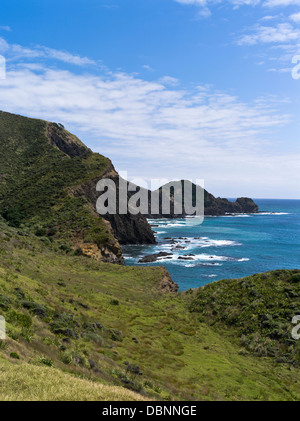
(150, 258)
(102, 254)
(65, 141)
(166, 284)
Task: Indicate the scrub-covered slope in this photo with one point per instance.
(257, 310)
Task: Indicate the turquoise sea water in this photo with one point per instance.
(227, 246)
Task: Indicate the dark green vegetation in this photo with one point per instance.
(41, 165)
(258, 310)
(112, 325)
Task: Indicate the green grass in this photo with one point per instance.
(82, 318)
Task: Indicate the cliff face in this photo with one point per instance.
(48, 182)
(129, 228)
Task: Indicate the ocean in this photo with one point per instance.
(231, 246)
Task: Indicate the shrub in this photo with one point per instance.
(19, 319)
(114, 302)
(95, 338)
(40, 232)
(3, 344)
(66, 357)
(4, 302)
(37, 309)
(45, 361)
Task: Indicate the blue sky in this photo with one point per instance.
(171, 89)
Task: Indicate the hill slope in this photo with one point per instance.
(112, 325)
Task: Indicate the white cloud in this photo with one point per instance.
(281, 33)
(244, 2)
(169, 81)
(268, 18)
(295, 17)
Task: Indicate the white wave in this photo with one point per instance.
(213, 258)
(207, 257)
(222, 243)
(174, 225)
(272, 213)
(237, 215)
(211, 264)
(201, 242)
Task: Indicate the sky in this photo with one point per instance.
(167, 89)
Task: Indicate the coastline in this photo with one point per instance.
(232, 246)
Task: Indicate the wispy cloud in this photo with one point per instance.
(5, 28)
(281, 33)
(149, 68)
(4, 47)
(169, 81)
(244, 2)
(18, 52)
(206, 5)
(281, 3)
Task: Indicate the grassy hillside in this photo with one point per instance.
(73, 317)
